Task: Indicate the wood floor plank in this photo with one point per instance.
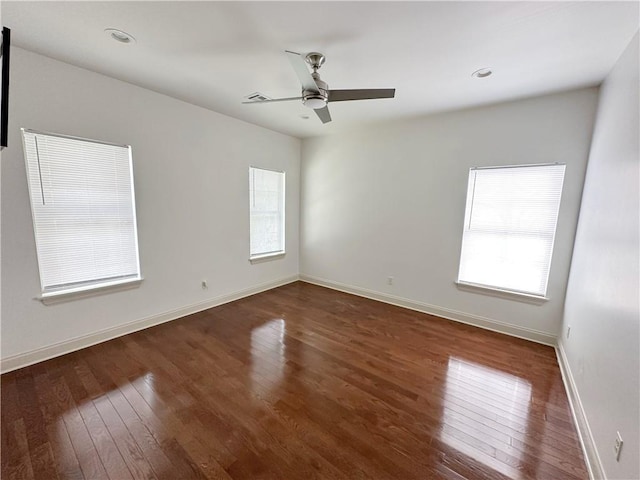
(64, 456)
(193, 453)
(106, 447)
(160, 463)
(83, 445)
(19, 466)
(300, 382)
(247, 429)
(10, 413)
(192, 457)
(43, 463)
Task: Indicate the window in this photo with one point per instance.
(266, 207)
(83, 208)
(509, 227)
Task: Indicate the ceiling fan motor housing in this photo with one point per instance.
(317, 99)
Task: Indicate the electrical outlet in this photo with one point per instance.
(618, 446)
(568, 331)
(204, 284)
(389, 280)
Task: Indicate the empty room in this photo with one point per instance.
(320, 240)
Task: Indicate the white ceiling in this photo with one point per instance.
(214, 53)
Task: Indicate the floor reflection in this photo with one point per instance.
(149, 381)
(476, 398)
(268, 354)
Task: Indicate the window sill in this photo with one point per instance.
(266, 257)
(497, 292)
(51, 298)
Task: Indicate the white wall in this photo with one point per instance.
(603, 294)
(191, 179)
(390, 202)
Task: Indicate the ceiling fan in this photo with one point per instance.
(316, 93)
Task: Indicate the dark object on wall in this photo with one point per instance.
(6, 44)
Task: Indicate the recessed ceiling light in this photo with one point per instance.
(482, 73)
(119, 35)
(304, 117)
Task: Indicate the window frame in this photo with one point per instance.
(71, 291)
(266, 256)
(506, 292)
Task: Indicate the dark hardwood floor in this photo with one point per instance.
(299, 382)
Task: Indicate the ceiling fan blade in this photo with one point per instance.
(362, 94)
(323, 114)
(300, 66)
(271, 100)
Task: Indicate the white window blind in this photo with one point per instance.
(266, 207)
(82, 200)
(509, 227)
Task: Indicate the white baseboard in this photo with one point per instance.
(468, 318)
(592, 458)
(50, 351)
